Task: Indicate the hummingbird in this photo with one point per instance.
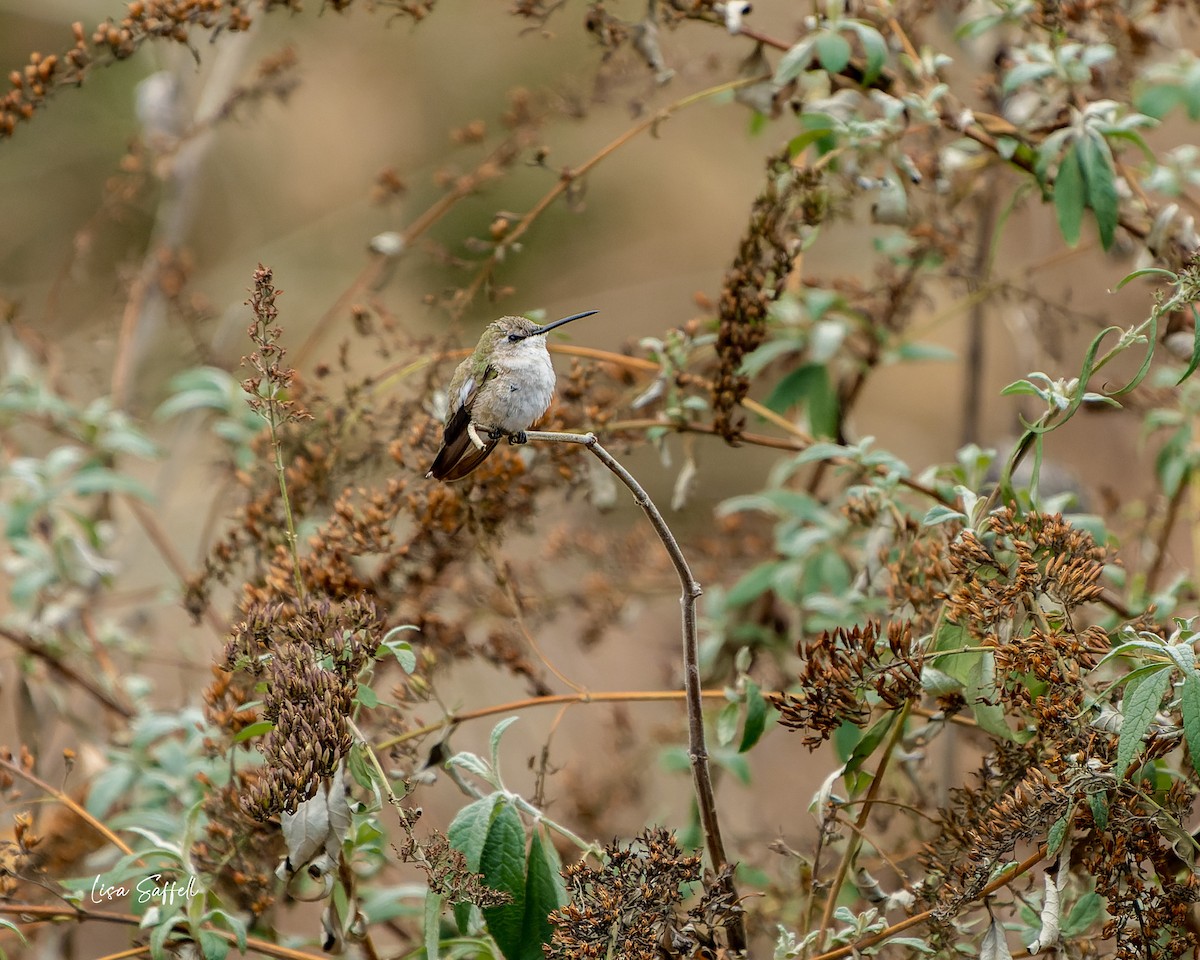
(499, 391)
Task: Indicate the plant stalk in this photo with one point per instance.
(693, 696)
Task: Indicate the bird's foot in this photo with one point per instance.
(475, 438)
(496, 434)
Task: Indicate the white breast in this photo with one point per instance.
(524, 390)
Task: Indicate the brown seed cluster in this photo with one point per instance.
(756, 279)
(631, 905)
(984, 826)
(110, 41)
(272, 380)
(20, 858)
(1034, 559)
(918, 572)
(447, 871)
(234, 849)
(1148, 884)
(840, 667)
(1020, 586)
(310, 662)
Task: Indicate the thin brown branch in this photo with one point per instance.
(166, 549)
(66, 671)
(852, 847)
(33, 780)
(1164, 533)
(1003, 880)
(38, 912)
(568, 175)
(125, 954)
(501, 574)
(697, 750)
(584, 696)
(376, 270)
(777, 443)
(123, 364)
(977, 281)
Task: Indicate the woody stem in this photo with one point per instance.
(697, 751)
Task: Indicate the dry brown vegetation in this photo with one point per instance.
(930, 699)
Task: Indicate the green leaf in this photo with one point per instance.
(1189, 706)
(1095, 162)
(754, 363)
(467, 834)
(252, 730)
(913, 350)
(1024, 73)
(914, 943)
(93, 479)
(756, 717)
(752, 585)
(984, 699)
(366, 696)
(675, 759)
(1085, 914)
(1195, 361)
(823, 451)
(942, 514)
(544, 893)
(1058, 832)
(1069, 196)
(1184, 655)
(1172, 465)
(503, 867)
(1132, 136)
(111, 784)
(875, 49)
(158, 938)
(833, 50)
(468, 830)
(938, 683)
(808, 385)
(794, 62)
(977, 28)
(1142, 700)
(433, 923)
(236, 925)
(213, 946)
(494, 742)
(1167, 275)
(123, 438)
(1021, 388)
(1158, 101)
(727, 723)
(364, 772)
(1099, 804)
(735, 763)
(869, 741)
(10, 927)
(821, 136)
(400, 649)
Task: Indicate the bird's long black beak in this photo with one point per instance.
(558, 323)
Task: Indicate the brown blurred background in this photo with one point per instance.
(290, 184)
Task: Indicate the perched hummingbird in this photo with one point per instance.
(498, 391)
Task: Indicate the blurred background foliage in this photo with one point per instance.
(822, 238)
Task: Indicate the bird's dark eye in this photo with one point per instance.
(514, 337)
